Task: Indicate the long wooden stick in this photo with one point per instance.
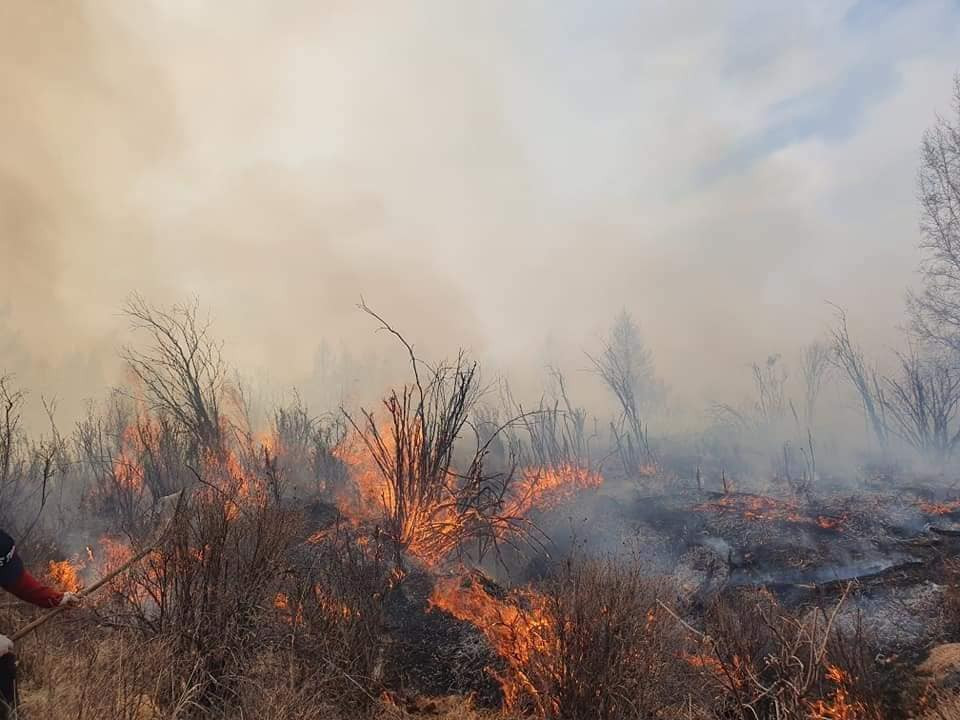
(43, 619)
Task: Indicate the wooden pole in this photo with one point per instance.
(43, 619)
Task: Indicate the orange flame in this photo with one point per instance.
(758, 507)
(430, 528)
(733, 672)
(127, 468)
(939, 508)
(516, 627)
(546, 488)
(65, 575)
(839, 705)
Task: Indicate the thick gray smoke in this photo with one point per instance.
(498, 175)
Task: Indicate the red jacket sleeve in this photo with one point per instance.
(27, 588)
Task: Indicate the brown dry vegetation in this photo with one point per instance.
(262, 603)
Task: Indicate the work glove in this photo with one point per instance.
(71, 600)
(6, 645)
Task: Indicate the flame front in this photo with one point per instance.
(839, 705)
(939, 508)
(65, 575)
(759, 507)
(540, 489)
(429, 527)
(516, 628)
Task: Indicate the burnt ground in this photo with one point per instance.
(432, 653)
(888, 551)
(893, 547)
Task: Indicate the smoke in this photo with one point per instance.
(500, 176)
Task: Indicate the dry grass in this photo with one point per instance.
(246, 612)
(607, 649)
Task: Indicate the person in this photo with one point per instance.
(17, 580)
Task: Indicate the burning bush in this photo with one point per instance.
(759, 660)
(427, 507)
(611, 651)
(333, 613)
(591, 643)
(257, 606)
(209, 584)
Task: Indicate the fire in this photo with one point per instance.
(268, 443)
(291, 613)
(733, 673)
(546, 488)
(65, 575)
(516, 627)
(430, 527)
(331, 607)
(939, 508)
(707, 662)
(758, 507)
(373, 493)
(831, 522)
(127, 468)
(114, 552)
(839, 706)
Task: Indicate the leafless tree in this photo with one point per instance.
(848, 357)
(814, 364)
(182, 371)
(11, 400)
(27, 467)
(923, 402)
(626, 366)
(770, 380)
(556, 432)
(936, 308)
(305, 445)
(768, 405)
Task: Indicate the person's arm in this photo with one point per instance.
(29, 589)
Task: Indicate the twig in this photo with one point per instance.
(683, 622)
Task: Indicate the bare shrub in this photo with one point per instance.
(305, 446)
(556, 431)
(414, 454)
(766, 410)
(919, 404)
(427, 507)
(131, 459)
(182, 371)
(849, 359)
(814, 366)
(936, 309)
(922, 403)
(332, 609)
(759, 661)
(626, 367)
(27, 467)
(606, 648)
(212, 581)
